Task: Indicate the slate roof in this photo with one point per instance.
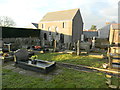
(60, 15)
(107, 26)
(104, 31)
(35, 24)
(90, 34)
(116, 26)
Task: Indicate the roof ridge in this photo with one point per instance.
(115, 24)
(60, 15)
(64, 10)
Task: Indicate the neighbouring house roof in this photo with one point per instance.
(104, 31)
(116, 26)
(90, 34)
(32, 25)
(35, 24)
(60, 15)
(107, 26)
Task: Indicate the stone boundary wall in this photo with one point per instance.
(22, 42)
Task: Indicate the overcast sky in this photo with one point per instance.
(94, 12)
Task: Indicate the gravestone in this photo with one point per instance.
(1, 43)
(75, 46)
(82, 38)
(93, 43)
(78, 47)
(59, 45)
(22, 55)
(55, 45)
(69, 46)
(43, 42)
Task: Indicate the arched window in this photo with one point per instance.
(62, 38)
(42, 25)
(63, 24)
(45, 36)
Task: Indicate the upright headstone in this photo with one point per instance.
(82, 38)
(93, 43)
(55, 45)
(1, 44)
(9, 47)
(75, 46)
(69, 46)
(43, 42)
(59, 44)
(22, 55)
(66, 46)
(78, 47)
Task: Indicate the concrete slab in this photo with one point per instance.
(21, 71)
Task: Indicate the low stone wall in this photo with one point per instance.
(21, 42)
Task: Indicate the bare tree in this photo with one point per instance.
(6, 21)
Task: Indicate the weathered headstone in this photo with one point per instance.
(43, 42)
(1, 43)
(55, 45)
(60, 45)
(93, 43)
(78, 47)
(69, 46)
(50, 42)
(75, 46)
(9, 47)
(22, 54)
(82, 38)
(66, 46)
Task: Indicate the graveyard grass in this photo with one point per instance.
(73, 59)
(68, 78)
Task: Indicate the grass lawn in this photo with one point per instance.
(73, 59)
(68, 78)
